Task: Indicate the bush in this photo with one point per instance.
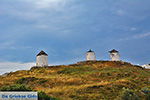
(146, 92)
(43, 96)
(76, 70)
(128, 94)
(19, 87)
(16, 87)
(26, 80)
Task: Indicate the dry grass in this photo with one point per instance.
(99, 80)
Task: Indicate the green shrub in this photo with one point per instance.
(76, 70)
(146, 92)
(19, 87)
(128, 94)
(16, 87)
(43, 96)
(26, 80)
(42, 81)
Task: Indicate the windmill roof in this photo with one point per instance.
(113, 51)
(90, 50)
(42, 53)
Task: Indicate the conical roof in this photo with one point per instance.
(42, 53)
(113, 51)
(90, 50)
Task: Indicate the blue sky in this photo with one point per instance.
(66, 29)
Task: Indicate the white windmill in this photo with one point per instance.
(42, 59)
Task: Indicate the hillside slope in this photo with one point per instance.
(93, 80)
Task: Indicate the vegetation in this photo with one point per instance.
(44, 96)
(93, 80)
(15, 87)
(19, 87)
(128, 94)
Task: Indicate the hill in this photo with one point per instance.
(92, 80)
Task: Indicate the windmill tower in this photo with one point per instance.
(114, 55)
(42, 59)
(90, 56)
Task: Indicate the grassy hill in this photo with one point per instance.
(92, 80)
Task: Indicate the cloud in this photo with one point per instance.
(51, 17)
(7, 45)
(141, 35)
(66, 24)
(48, 3)
(11, 45)
(133, 29)
(32, 9)
(42, 26)
(137, 36)
(6, 67)
(14, 66)
(120, 12)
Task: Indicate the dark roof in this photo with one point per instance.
(90, 50)
(113, 51)
(42, 53)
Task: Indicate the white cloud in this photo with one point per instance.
(138, 36)
(49, 3)
(7, 45)
(32, 9)
(11, 45)
(14, 66)
(141, 35)
(133, 29)
(6, 67)
(54, 16)
(42, 26)
(120, 12)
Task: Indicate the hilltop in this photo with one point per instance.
(91, 80)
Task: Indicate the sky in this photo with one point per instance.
(67, 29)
